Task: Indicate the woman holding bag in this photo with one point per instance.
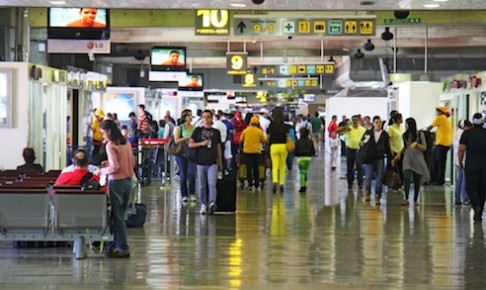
(278, 132)
(414, 166)
(187, 168)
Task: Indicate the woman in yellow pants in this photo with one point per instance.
(277, 136)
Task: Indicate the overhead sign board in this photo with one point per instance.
(249, 81)
(290, 82)
(295, 69)
(212, 22)
(313, 26)
(402, 21)
(236, 63)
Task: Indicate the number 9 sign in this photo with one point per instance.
(236, 63)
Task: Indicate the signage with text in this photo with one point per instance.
(312, 26)
(290, 82)
(212, 22)
(295, 69)
(236, 63)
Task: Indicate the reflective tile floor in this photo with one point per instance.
(328, 239)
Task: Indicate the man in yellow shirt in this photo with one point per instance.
(395, 133)
(353, 133)
(443, 142)
(251, 138)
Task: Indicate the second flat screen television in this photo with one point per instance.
(168, 59)
(192, 82)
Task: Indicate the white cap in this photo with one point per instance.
(263, 111)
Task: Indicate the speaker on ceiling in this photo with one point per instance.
(401, 14)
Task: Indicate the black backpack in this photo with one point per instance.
(89, 184)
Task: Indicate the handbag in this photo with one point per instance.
(190, 153)
(175, 149)
(290, 144)
(392, 179)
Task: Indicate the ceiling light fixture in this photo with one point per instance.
(369, 46)
(387, 35)
(257, 2)
(238, 5)
(431, 6)
(57, 2)
(359, 54)
(441, 0)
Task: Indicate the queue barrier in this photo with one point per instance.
(153, 147)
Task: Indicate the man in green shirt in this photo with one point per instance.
(354, 133)
(317, 128)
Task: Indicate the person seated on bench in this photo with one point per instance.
(29, 157)
(91, 167)
(81, 163)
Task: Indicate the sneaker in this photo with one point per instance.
(250, 188)
(416, 203)
(457, 203)
(204, 209)
(118, 254)
(274, 188)
(281, 189)
(367, 196)
(466, 203)
(378, 200)
(301, 190)
(212, 207)
(193, 198)
(405, 202)
(185, 199)
(258, 189)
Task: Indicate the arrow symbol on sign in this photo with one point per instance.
(241, 26)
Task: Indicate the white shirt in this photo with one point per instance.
(455, 146)
(377, 135)
(221, 127)
(264, 123)
(303, 124)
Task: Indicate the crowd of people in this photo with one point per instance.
(371, 148)
(216, 142)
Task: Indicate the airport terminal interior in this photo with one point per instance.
(63, 65)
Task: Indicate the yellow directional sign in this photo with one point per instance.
(350, 27)
(292, 69)
(249, 81)
(319, 26)
(236, 63)
(366, 27)
(329, 69)
(304, 27)
(320, 69)
(301, 69)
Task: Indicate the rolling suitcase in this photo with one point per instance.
(226, 198)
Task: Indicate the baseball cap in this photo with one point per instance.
(263, 111)
(442, 109)
(254, 120)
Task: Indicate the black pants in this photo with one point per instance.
(475, 174)
(252, 174)
(353, 162)
(408, 177)
(439, 163)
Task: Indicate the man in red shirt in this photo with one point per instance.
(333, 126)
(74, 177)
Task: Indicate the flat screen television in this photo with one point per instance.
(78, 23)
(168, 59)
(309, 97)
(192, 82)
(240, 99)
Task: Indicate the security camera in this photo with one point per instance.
(290, 37)
(257, 2)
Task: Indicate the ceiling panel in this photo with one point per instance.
(267, 5)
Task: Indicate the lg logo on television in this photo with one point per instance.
(94, 45)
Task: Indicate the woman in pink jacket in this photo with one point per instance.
(119, 171)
